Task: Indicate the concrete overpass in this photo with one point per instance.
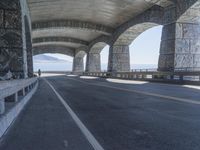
(69, 27)
(100, 113)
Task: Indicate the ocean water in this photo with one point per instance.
(67, 66)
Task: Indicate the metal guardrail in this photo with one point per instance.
(152, 74)
(12, 89)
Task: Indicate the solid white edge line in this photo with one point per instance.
(95, 144)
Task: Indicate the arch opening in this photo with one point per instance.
(145, 49)
(135, 45)
(55, 62)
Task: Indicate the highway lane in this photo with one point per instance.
(121, 119)
(44, 124)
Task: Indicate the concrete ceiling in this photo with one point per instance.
(82, 19)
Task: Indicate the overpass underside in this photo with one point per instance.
(119, 114)
(79, 28)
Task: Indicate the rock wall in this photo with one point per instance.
(11, 50)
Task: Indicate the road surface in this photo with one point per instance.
(118, 116)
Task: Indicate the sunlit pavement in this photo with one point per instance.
(120, 115)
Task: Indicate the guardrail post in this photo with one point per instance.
(22, 92)
(12, 98)
(2, 106)
(181, 77)
(16, 97)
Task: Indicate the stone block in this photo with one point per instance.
(187, 30)
(166, 62)
(196, 60)
(13, 19)
(169, 32)
(195, 46)
(183, 60)
(10, 4)
(93, 62)
(169, 15)
(1, 18)
(182, 46)
(167, 47)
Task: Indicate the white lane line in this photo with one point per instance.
(145, 93)
(95, 144)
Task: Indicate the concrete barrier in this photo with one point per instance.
(8, 115)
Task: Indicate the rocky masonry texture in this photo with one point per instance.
(119, 58)
(11, 53)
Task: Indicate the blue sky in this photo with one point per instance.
(143, 50)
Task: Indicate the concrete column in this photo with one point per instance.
(119, 58)
(93, 62)
(28, 47)
(78, 65)
(180, 46)
(11, 35)
(2, 106)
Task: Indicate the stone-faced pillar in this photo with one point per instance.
(13, 54)
(180, 46)
(119, 58)
(28, 47)
(11, 44)
(93, 63)
(78, 65)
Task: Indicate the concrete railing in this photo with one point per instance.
(11, 90)
(146, 74)
(14, 95)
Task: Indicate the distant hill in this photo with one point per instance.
(46, 58)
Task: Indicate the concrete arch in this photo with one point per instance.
(133, 32)
(97, 47)
(73, 24)
(80, 53)
(53, 49)
(154, 15)
(101, 39)
(74, 42)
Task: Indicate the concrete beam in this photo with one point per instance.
(53, 49)
(59, 39)
(72, 24)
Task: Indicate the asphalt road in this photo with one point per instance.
(138, 116)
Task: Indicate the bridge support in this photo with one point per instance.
(93, 63)
(13, 50)
(119, 58)
(78, 65)
(2, 106)
(180, 46)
